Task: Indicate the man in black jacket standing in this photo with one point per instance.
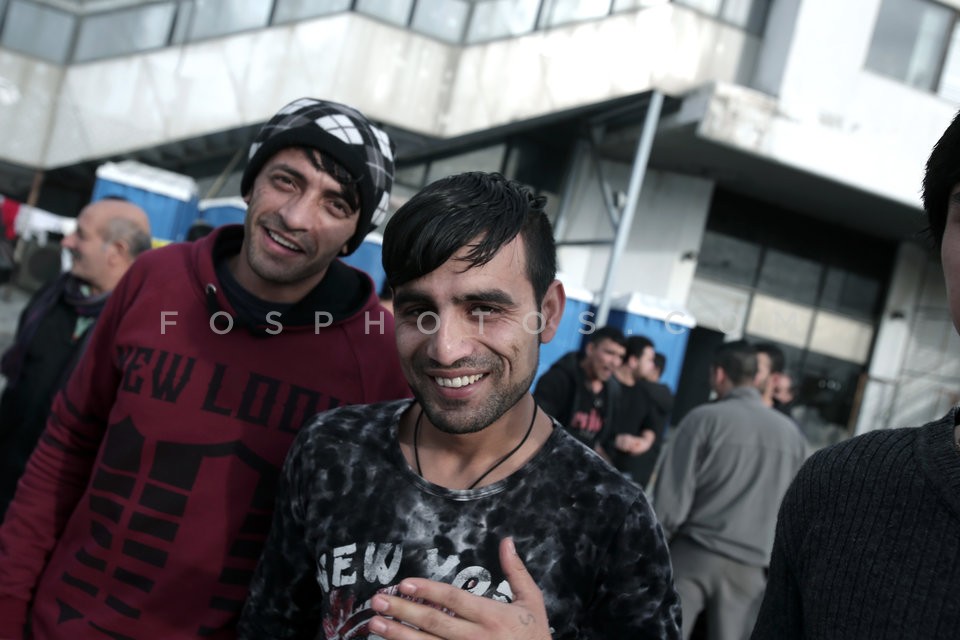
(580, 391)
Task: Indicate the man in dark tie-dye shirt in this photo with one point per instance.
(467, 512)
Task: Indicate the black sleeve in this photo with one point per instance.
(781, 614)
(661, 404)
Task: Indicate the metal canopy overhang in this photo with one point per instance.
(616, 114)
(682, 150)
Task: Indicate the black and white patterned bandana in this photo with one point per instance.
(344, 133)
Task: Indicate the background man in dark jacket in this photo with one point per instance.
(579, 390)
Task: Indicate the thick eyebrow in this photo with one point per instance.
(494, 296)
(302, 178)
(402, 297)
(283, 166)
(489, 296)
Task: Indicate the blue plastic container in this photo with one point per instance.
(368, 257)
(220, 211)
(169, 199)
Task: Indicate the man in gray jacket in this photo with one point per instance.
(724, 473)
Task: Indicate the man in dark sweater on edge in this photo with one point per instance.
(867, 542)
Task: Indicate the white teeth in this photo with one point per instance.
(456, 383)
(282, 242)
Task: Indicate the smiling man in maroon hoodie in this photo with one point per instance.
(143, 510)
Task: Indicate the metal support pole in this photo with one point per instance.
(214, 189)
(637, 174)
(35, 186)
(613, 213)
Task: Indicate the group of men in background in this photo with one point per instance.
(721, 476)
(610, 397)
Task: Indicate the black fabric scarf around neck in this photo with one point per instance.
(342, 293)
(67, 288)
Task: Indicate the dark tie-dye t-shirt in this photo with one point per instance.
(353, 519)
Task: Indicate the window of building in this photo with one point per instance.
(393, 11)
(841, 337)
(442, 19)
(727, 259)
(501, 18)
(750, 15)
(557, 12)
(125, 31)
(38, 30)
(627, 5)
(851, 293)
(777, 319)
(200, 19)
(792, 280)
(293, 10)
(828, 388)
(787, 276)
(916, 42)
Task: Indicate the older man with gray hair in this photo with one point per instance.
(55, 325)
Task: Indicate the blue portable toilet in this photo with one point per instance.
(220, 211)
(369, 257)
(170, 199)
(667, 325)
(577, 321)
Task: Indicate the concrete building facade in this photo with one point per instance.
(772, 194)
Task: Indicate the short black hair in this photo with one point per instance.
(659, 361)
(636, 344)
(199, 228)
(607, 333)
(738, 359)
(349, 184)
(940, 177)
(777, 359)
(474, 207)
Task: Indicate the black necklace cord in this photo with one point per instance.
(416, 450)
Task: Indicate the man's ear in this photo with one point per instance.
(118, 250)
(551, 310)
(720, 377)
(716, 375)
